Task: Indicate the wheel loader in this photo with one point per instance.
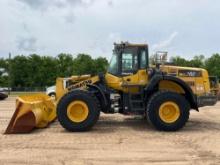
(129, 87)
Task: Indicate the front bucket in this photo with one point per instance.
(34, 111)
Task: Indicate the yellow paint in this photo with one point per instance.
(60, 88)
(127, 83)
(41, 105)
(76, 80)
(169, 112)
(77, 111)
(171, 86)
(200, 85)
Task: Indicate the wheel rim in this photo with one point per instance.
(169, 112)
(77, 111)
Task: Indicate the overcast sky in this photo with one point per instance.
(49, 27)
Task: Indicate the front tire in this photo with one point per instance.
(78, 111)
(168, 111)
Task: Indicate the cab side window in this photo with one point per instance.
(143, 60)
(129, 63)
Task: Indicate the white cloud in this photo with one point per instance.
(115, 37)
(165, 43)
(91, 26)
(46, 4)
(27, 44)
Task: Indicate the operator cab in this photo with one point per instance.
(128, 59)
(127, 74)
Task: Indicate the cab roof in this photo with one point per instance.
(127, 44)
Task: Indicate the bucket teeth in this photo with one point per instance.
(34, 111)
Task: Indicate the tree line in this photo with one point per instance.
(41, 71)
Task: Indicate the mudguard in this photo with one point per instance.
(104, 101)
(154, 83)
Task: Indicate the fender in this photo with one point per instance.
(96, 87)
(154, 82)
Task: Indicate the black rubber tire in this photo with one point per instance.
(93, 106)
(157, 100)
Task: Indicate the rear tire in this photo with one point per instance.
(90, 102)
(176, 106)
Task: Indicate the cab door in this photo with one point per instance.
(133, 69)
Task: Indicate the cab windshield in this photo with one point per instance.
(113, 66)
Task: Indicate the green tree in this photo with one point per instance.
(83, 64)
(197, 61)
(100, 64)
(20, 71)
(212, 64)
(3, 73)
(50, 70)
(33, 71)
(179, 61)
(65, 65)
(42, 71)
(3, 63)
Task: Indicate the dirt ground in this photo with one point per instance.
(115, 139)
